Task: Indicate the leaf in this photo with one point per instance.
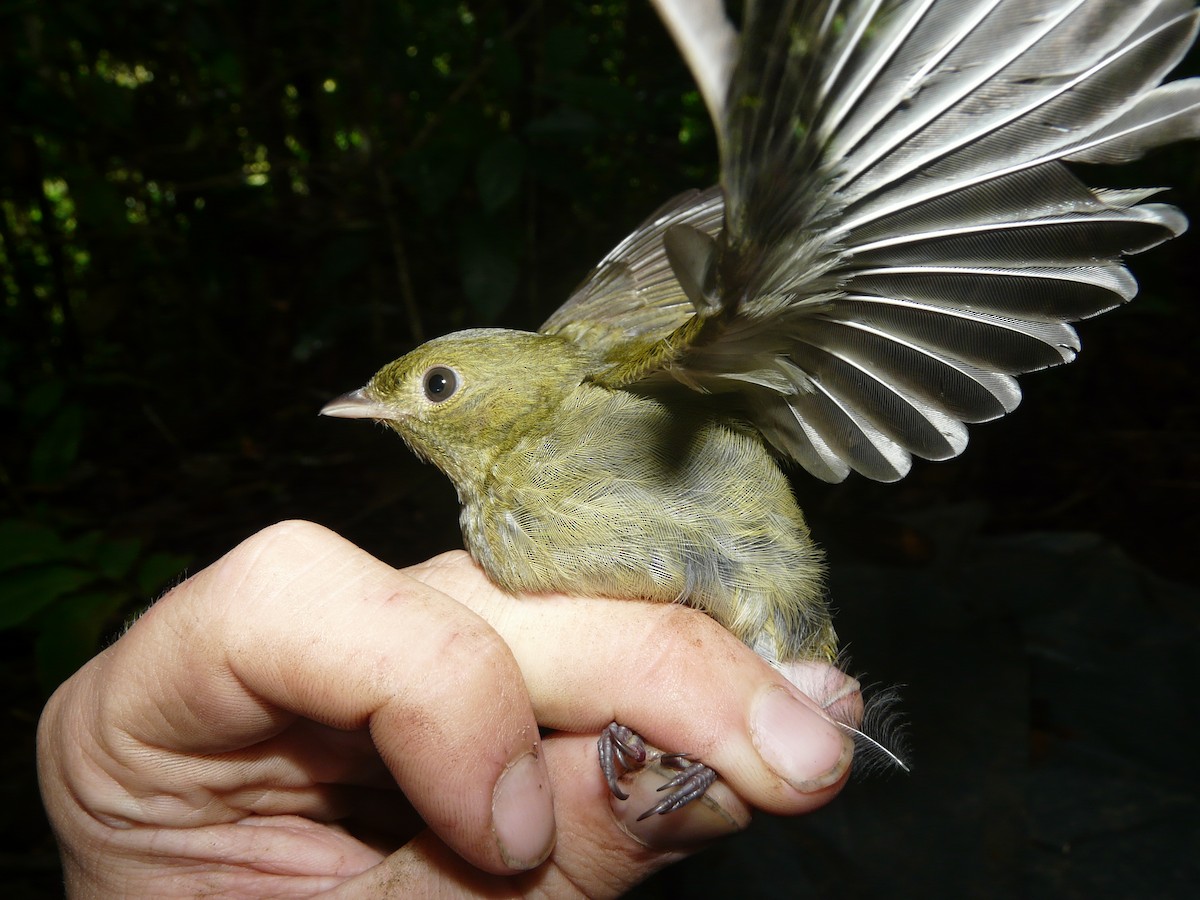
(42, 399)
(158, 570)
(116, 557)
(26, 543)
(69, 639)
(498, 173)
(24, 592)
(86, 547)
(489, 271)
(433, 177)
(58, 447)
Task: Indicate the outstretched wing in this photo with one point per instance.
(633, 296)
(633, 299)
(902, 235)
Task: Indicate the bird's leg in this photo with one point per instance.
(623, 750)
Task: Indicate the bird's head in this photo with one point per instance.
(459, 399)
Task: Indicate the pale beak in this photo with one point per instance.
(355, 405)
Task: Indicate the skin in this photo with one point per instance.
(301, 718)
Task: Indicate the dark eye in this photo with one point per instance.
(440, 384)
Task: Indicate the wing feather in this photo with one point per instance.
(898, 233)
(633, 294)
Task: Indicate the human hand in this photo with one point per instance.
(300, 717)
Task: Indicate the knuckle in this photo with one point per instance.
(462, 655)
(684, 641)
(282, 537)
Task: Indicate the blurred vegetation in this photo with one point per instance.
(214, 216)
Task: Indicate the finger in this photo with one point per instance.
(594, 857)
(297, 622)
(673, 675)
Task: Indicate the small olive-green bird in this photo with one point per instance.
(898, 232)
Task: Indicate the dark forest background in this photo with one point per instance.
(216, 216)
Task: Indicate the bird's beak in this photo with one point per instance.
(355, 405)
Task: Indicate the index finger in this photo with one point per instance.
(675, 676)
(297, 622)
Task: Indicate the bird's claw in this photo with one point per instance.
(623, 750)
(690, 784)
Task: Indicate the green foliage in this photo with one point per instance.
(214, 216)
(69, 592)
(498, 173)
(63, 583)
(170, 173)
(58, 425)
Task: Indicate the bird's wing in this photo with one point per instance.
(708, 42)
(633, 296)
(901, 234)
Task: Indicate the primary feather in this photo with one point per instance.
(897, 232)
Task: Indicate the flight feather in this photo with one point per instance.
(897, 233)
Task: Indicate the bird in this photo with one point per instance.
(900, 229)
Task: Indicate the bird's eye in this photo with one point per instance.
(440, 384)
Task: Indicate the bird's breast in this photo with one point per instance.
(631, 498)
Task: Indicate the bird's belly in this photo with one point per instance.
(718, 529)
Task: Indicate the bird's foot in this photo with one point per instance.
(623, 750)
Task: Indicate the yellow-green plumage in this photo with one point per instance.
(569, 486)
(899, 231)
